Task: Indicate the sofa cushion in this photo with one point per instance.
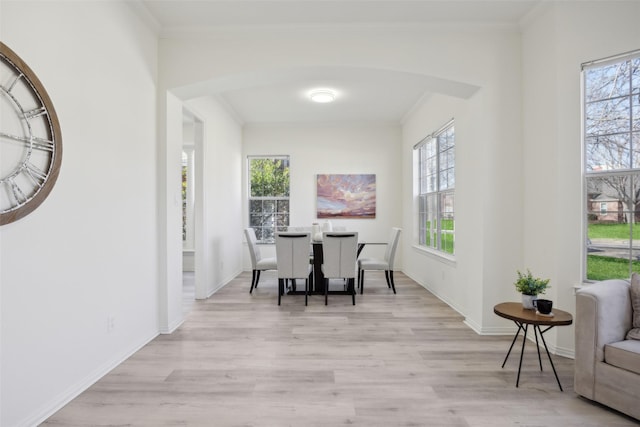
(624, 355)
(634, 334)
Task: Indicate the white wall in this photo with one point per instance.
(334, 149)
(488, 202)
(218, 254)
(452, 281)
(557, 39)
(170, 314)
(88, 252)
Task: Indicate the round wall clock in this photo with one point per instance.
(30, 139)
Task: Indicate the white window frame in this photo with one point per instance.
(611, 170)
(268, 236)
(436, 191)
(188, 199)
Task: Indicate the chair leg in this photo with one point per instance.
(306, 290)
(280, 289)
(386, 275)
(352, 287)
(393, 285)
(253, 280)
(326, 291)
(257, 278)
(359, 271)
(361, 280)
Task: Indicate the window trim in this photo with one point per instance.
(276, 199)
(585, 173)
(188, 197)
(438, 193)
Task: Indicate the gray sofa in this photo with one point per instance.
(607, 365)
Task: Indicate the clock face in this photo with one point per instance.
(30, 139)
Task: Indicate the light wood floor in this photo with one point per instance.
(391, 360)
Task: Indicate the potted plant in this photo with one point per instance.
(530, 287)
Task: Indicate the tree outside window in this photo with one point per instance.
(611, 113)
(268, 196)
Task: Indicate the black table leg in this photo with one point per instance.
(524, 340)
(535, 332)
(549, 355)
(515, 337)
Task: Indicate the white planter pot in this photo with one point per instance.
(527, 301)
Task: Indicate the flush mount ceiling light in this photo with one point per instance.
(322, 95)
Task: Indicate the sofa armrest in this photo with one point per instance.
(603, 316)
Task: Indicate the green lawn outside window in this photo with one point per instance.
(601, 267)
(446, 239)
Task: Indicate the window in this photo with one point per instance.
(611, 132)
(603, 208)
(188, 197)
(436, 177)
(185, 176)
(268, 196)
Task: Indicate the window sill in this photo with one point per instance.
(436, 255)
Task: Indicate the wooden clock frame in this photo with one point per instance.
(27, 182)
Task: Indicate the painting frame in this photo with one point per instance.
(346, 196)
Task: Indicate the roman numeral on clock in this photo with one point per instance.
(35, 142)
(13, 83)
(36, 112)
(17, 193)
(36, 175)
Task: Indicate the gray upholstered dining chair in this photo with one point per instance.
(258, 263)
(339, 260)
(385, 264)
(292, 252)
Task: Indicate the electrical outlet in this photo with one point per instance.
(111, 324)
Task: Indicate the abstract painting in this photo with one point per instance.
(346, 196)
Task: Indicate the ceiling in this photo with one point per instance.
(362, 94)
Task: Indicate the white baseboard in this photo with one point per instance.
(57, 403)
(562, 351)
(495, 330)
(440, 297)
(172, 327)
(224, 283)
(75, 390)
